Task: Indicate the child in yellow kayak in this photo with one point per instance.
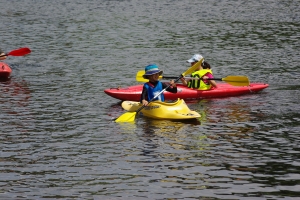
(200, 76)
(153, 87)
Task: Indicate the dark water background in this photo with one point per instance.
(57, 136)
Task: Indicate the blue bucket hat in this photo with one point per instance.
(150, 70)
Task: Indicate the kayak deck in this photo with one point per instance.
(133, 93)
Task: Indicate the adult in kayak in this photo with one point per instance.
(2, 55)
(153, 87)
(199, 77)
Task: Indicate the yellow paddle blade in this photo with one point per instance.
(126, 117)
(237, 80)
(140, 78)
(193, 68)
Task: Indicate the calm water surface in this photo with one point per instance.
(58, 139)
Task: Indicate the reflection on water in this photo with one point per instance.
(173, 134)
(17, 90)
(219, 151)
(128, 127)
(14, 111)
(230, 113)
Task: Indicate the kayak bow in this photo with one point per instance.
(5, 70)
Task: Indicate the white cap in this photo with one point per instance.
(195, 58)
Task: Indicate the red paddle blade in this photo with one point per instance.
(19, 52)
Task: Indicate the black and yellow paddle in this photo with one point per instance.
(232, 80)
(130, 116)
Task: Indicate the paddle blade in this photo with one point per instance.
(19, 52)
(193, 68)
(126, 117)
(140, 78)
(237, 80)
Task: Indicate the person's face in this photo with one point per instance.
(154, 77)
(200, 67)
(193, 63)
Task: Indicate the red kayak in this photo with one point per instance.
(5, 70)
(133, 93)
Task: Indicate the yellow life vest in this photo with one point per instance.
(199, 84)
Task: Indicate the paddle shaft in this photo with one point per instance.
(159, 94)
(172, 77)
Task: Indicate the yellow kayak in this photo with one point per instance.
(161, 110)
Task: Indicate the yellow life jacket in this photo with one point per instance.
(199, 84)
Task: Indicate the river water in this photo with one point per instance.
(57, 134)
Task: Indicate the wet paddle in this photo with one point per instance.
(130, 116)
(18, 52)
(232, 80)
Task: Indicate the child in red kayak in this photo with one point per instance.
(202, 73)
(153, 87)
(2, 55)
